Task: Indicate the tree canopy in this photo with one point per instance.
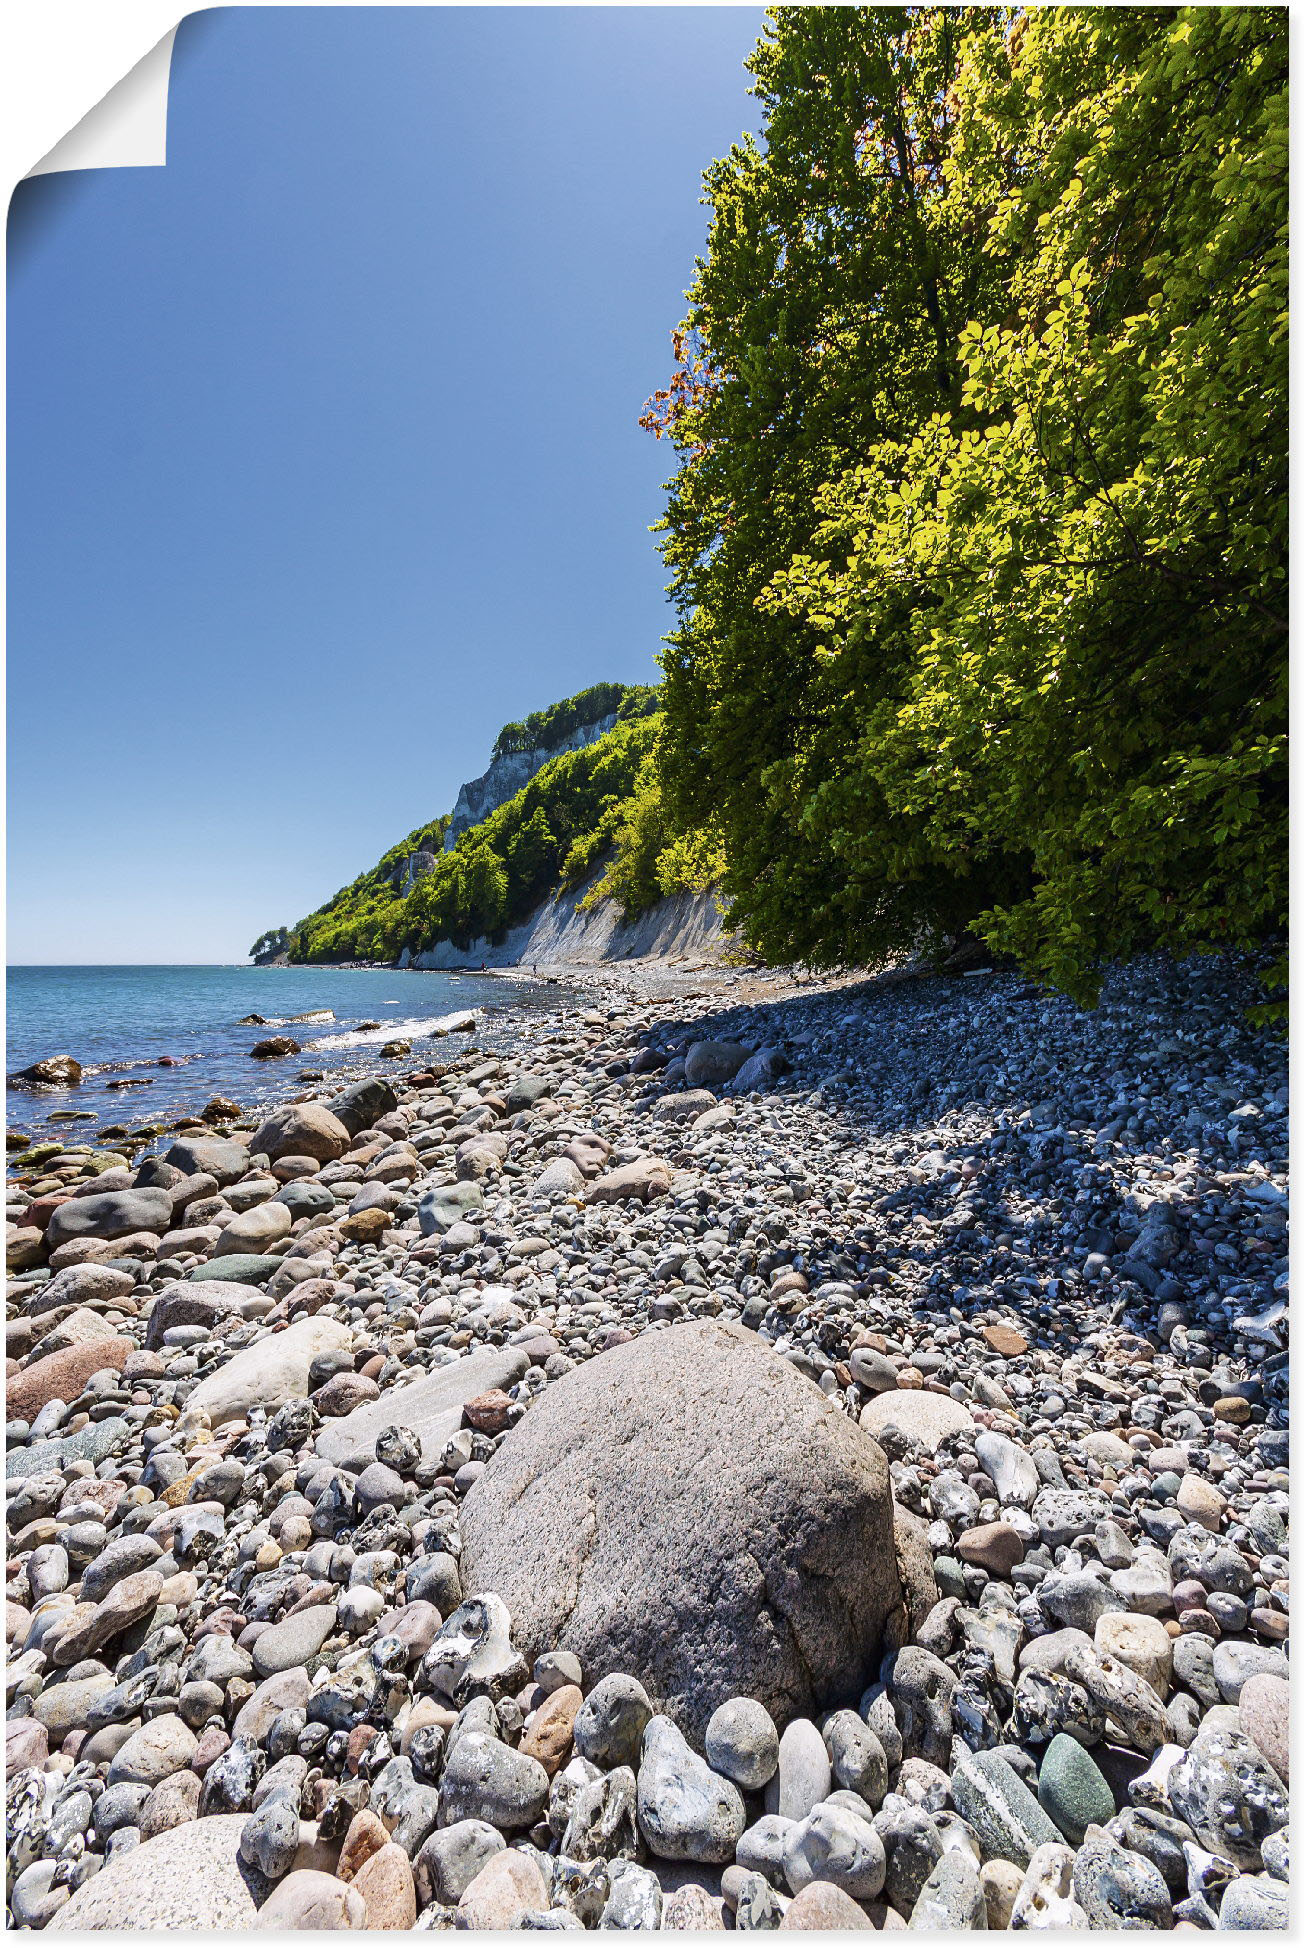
(977, 534)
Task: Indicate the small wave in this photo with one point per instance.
(393, 1030)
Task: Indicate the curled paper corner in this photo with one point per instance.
(128, 129)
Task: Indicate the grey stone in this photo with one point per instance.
(990, 1795)
(1119, 1889)
(1072, 1788)
(805, 1774)
(451, 1857)
(685, 1811)
(1254, 1901)
(109, 1214)
(775, 1579)
(188, 1879)
(832, 1844)
(1225, 1789)
(952, 1897)
(293, 1641)
(610, 1723)
(742, 1743)
(431, 1406)
(484, 1779)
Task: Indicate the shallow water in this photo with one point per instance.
(120, 1021)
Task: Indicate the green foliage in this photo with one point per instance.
(554, 832)
(544, 728)
(274, 941)
(364, 920)
(978, 533)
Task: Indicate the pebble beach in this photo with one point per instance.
(717, 1451)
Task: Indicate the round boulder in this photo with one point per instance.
(301, 1130)
(688, 1508)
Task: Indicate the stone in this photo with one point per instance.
(445, 1205)
(805, 1772)
(708, 1064)
(1264, 1705)
(219, 1157)
(993, 1546)
(507, 1886)
(1235, 1664)
(635, 1901)
(822, 1906)
(742, 1743)
(685, 1811)
(858, 1759)
(1000, 1881)
(1255, 1902)
(776, 1579)
(431, 1406)
(1199, 1501)
(1045, 1896)
(238, 1268)
(1225, 1789)
(294, 1640)
(51, 1072)
(610, 1724)
(109, 1214)
(310, 1899)
(926, 1418)
(990, 1795)
(640, 1182)
(1072, 1788)
(484, 1779)
(301, 1130)
(548, 1738)
(1140, 1642)
(362, 1104)
(831, 1844)
(269, 1839)
(193, 1302)
(188, 1879)
(253, 1231)
(1117, 1888)
(952, 1897)
(62, 1375)
(388, 1890)
(451, 1858)
(473, 1653)
(171, 1802)
(162, 1746)
(268, 1373)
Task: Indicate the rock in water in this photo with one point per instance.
(774, 1578)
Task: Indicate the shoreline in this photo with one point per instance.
(1021, 1263)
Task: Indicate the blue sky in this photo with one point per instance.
(324, 455)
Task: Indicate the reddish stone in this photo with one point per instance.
(62, 1375)
(213, 1741)
(1006, 1340)
(41, 1209)
(488, 1412)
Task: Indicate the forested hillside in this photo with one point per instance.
(552, 833)
(979, 522)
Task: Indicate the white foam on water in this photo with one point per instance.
(408, 1030)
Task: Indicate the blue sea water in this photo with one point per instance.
(119, 1022)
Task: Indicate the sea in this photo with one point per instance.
(177, 1035)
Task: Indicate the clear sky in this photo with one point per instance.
(324, 454)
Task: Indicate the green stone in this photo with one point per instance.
(241, 1268)
(1073, 1789)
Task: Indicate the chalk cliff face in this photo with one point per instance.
(507, 774)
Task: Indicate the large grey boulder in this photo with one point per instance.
(689, 1509)
(109, 1214)
(190, 1878)
(217, 1156)
(363, 1104)
(301, 1130)
(431, 1406)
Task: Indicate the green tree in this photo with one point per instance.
(1022, 663)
